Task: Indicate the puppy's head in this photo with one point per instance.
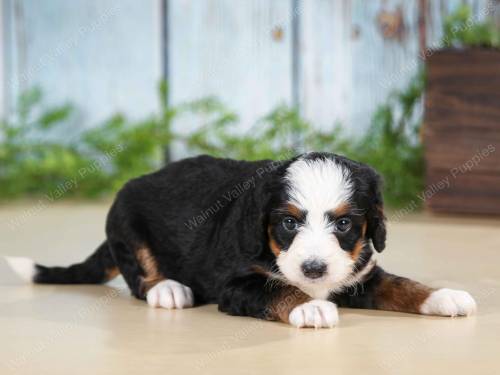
(326, 212)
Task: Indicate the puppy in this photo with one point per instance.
(286, 241)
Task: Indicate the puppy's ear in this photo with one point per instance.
(375, 214)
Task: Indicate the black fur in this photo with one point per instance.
(91, 270)
(202, 218)
(205, 222)
(362, 296)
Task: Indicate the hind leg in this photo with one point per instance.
(139, 267)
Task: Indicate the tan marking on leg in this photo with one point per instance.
(401, 294)
(111, 273)
(289, 298)
(149, 265)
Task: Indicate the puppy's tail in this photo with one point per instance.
(96, 269)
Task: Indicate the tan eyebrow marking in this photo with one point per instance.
(294, 211)
(341, 210)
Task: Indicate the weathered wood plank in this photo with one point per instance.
(103, 55)
(462, 129)
(467, 193)
(349, 66)
(90, 52)
(438, 10)
(2, 59)
(325, 51)
(463, 90)
(382, 64)
(238, 51)
(464, 146)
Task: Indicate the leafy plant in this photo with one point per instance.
(460, 30)
(101, 159)
(276, 136)
(392, 144)
(142, 146)
(96, 162)
(29, 163)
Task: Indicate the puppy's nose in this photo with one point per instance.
(313, 269)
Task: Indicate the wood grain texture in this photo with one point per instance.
(438, 10)
(105, 55)
(462, 130)
(2, 68)
(238, 51)
(348, 66)
(447, 149)
(475, 193)
(465, 80)
(102, 55)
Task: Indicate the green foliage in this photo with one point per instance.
(94, 163)
(30, 164)
(141, 146)
(278, 135)
(391, 144)
(100, 160)
(461, 29)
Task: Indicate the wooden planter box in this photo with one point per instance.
(462, 131)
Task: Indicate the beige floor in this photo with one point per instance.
(102, 330)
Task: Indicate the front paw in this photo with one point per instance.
(316, 313)
(449, 302)
(170, 294)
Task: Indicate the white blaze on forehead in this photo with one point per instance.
(318, 185)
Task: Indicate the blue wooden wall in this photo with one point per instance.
(2, 63)
(102, 55)
(336, 59)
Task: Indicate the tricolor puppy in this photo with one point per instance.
(287, 241)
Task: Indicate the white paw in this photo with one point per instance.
(171, 295)
(316, 313)
(449, 302)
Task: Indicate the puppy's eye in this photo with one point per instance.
(290, 223)
(343, 224)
